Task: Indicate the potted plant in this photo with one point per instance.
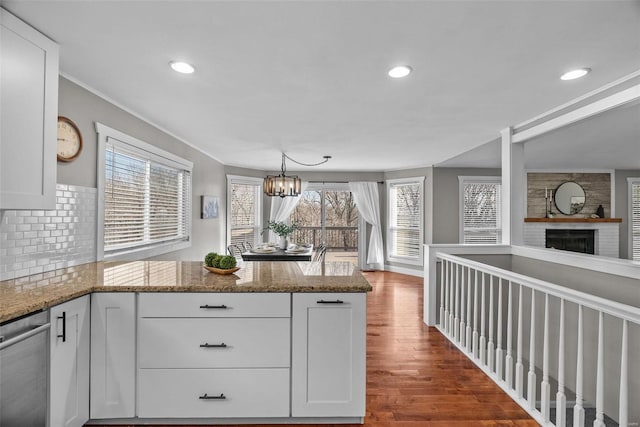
(283, 230)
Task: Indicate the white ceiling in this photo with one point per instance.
(309, 77)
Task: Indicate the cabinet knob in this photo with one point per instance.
(330, 302)
(207, 397)
(207, 345)
(206, 306)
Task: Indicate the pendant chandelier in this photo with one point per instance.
(282, 185)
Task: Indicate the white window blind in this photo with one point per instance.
(246, 211)
(480, 210)
(405, 230)
(147, 198)
(634, 205)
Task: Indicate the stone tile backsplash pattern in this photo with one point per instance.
(36, 241)
(597, 187)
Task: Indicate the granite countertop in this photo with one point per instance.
(25, 295)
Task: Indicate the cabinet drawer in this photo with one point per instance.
(176, 393)
(214, 343)
(214, 305)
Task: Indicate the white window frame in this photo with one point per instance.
(237, 179)
(462, 180)
(418, 260)
(106, 133)
(630, 183)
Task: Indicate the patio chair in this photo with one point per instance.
(320, 252)
(234, 251)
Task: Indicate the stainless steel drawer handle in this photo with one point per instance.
(64, 326)
(207, 397)
(207, 345)
(330, 302)
(214, 306)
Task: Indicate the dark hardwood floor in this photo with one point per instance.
(415, 377)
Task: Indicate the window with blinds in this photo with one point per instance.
(480, 219)
(634, 207)
(405, 213)
(245, 222)
(147, 198)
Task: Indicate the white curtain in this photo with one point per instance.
(281, 208)
(367, 200)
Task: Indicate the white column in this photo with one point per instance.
(513, 191)
(463, 308)
(491, 347)
(467, 338)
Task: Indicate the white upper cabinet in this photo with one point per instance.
(28, 116)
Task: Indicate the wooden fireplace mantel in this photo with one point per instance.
(572, 219)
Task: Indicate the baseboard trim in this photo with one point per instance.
(403, 270)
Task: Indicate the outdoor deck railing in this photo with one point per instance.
(337, 238)
(484, 310)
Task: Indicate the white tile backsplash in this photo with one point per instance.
(35, 241)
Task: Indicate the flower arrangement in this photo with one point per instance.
(282, 229)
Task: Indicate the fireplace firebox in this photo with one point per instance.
(582, 241)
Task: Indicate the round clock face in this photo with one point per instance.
(69, 140)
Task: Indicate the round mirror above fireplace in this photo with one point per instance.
(570, 198)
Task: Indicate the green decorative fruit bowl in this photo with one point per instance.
(221, 270)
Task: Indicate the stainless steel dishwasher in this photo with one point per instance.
(24, 360)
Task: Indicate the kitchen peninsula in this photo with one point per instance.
(173, 343)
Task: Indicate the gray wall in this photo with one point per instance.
(446, 200)
(622, 207)
(85, 108)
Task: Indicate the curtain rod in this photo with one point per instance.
(337, 182)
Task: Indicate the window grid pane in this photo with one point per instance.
(145, 202)
(405, 221)
(481, 218)
(635, 221)
(245, 208)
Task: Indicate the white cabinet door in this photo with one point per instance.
(328, 367)
(69, 389)
(113, 357)
(29, 99)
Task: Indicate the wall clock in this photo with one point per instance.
(69, 140)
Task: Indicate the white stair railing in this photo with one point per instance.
(465, 301)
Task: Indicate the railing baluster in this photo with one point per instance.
(443, 281)
(491, 348)
(499, 351)
(467, 339)
(462, 306)
(450, 296)
(474, 339)
(483, 348)
(456, 306)
(623, 416)
(561, 398)
(519, 365)
(578, 409)
(531, 378)
(509, 359)
(599, 421)
(545, 387)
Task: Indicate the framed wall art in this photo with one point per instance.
(210, 207)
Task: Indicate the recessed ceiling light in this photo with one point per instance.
(400, 71)
(182, 67)
(575, 74)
